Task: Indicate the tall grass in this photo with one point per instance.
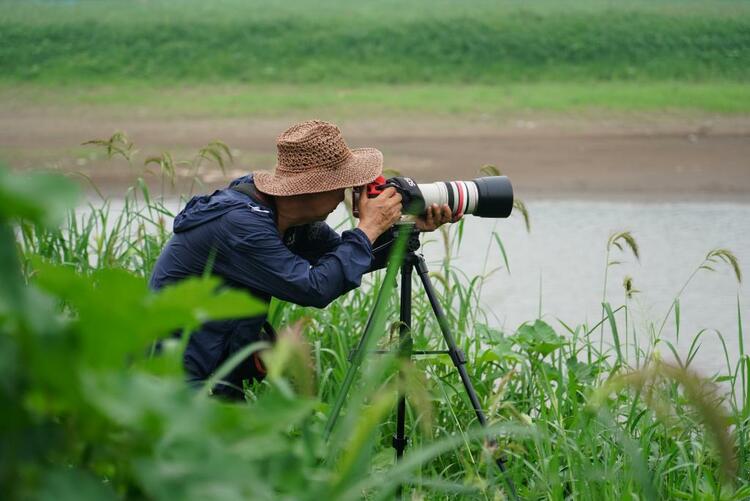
(576, 417)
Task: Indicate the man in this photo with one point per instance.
(265, 234)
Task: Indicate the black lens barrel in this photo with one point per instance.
(495, 196)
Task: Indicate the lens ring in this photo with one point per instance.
(449, 191)
(461, 198)
(473, 197)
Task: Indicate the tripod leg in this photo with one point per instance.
(459, 360)
(404, 336)
(457, 355)
(355, 357)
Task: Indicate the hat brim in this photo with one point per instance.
(363, 167)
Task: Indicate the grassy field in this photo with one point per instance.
(383, 42)
(240, 100)
(236, 58)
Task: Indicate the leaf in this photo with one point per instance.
(539, 337)
(11, 286)
(615, 334)
(489, 334)
(67, 484)
(188, 446)
(519, 205)
(583, 372)
(490, 170)
(502, 250)
(118, 317)
(199, 298)
(500, 353)
(40, 198)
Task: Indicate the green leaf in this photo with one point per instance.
(118, 317)
(500, 350)
(502, 250)
(489, 334)
(539, 337)
(500, 354)
(615, 334)
(74, 485)
(582, 371)
(11, 286)
(39, 197)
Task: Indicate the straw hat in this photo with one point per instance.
(313, 157)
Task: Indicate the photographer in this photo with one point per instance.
(265, 234)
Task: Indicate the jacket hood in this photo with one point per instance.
(204, 208)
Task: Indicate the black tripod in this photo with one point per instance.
(412, 261)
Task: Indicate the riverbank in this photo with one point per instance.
(590, 154)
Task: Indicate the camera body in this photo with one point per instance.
(490, 196)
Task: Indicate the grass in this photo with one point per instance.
(387, 42)
(222, 11)
(576, 417)
(237, 100)
(232, 58)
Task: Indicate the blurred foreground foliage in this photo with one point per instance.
(89, 414)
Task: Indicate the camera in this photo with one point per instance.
(490, 196)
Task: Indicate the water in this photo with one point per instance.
(558, 268)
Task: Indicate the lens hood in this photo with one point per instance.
(495, 196)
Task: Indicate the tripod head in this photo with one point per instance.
(392, 234)
(412, 244)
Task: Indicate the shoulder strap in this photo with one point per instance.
(251, 191)
(246, 188)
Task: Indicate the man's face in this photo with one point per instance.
(322, 204)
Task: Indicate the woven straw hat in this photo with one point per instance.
(313, 157)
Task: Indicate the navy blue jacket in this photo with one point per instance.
(236, 236)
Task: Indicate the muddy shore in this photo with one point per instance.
(647, 158)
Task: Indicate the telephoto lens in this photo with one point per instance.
(490, 196)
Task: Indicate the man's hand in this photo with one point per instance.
(380, 213)
(434, 217)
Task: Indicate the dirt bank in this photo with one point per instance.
(648, 158)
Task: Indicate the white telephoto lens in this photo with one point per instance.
(434, 193)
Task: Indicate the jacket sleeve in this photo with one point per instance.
(381, 249)
(255, 256)
(318, 239)
(313, 241)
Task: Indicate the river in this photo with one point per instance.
(558, 268)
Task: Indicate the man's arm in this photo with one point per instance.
(255, 256)
(317, 239)
(313, 241)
